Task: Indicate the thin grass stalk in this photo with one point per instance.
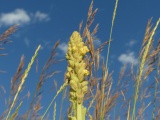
(15, 113)
(60, 90)
(113, 19)
(109, 90)
(22, 81)
(104, 77)
(141, 69)
(91, 103)
(118, 83)
(110, 37)
(63, 97)
(155, 91)
(154, 100)
(54, 114)
(128, 113)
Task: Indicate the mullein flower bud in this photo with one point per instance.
(76, 70)
(85, 89)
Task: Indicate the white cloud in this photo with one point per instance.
(128, 58)
(63, 47)
(96, 42)
(27, 42)
(39, 16)
(18, 16)
(21, 17)
(131, 43)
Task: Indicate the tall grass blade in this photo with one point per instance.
(138, 80)
(22, 81)
(60, 90)
(113, 19)
(16, 112)
(110, 37)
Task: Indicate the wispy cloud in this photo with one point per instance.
(131, 43)
(63, 47)
(27, 42)
(18, 16)
(39, 16)
(21, 17)
(46, 45)
(128, 58)
(96, 43)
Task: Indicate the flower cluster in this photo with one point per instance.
(76, 70)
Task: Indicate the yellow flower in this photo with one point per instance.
(76, 70)
(76, 51)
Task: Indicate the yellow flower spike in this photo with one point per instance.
(81, 77)
(71, 63)
(69, 47)
(76, 72)
(72, 93)
(86, 72)
(70, 53)
(77, 64)
(74, 49)
(80, 45)
(84, 50)
(69, 69)
(68, 74)
(73, 85)
(82, 73)
(73, 77)
(75, 55)
(67, 57)
(84, 83)
(85, 89)
(79, 67)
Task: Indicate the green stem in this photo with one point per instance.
(79, 111)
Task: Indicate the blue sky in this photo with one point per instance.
(45, 22)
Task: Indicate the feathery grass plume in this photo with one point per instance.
(105, 94)
(36, 107)
(5, 35)
(8, 32)
(45, 74)
(156, 83)
(17, 76)
(80, 26)
(22, 81)
(90, 43)
(104, 78)
(143, 61)
(155, 99)
(90, 19)
(3, 40)
(16, 80)
(76, 72)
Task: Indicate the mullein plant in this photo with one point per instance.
(76, 73)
